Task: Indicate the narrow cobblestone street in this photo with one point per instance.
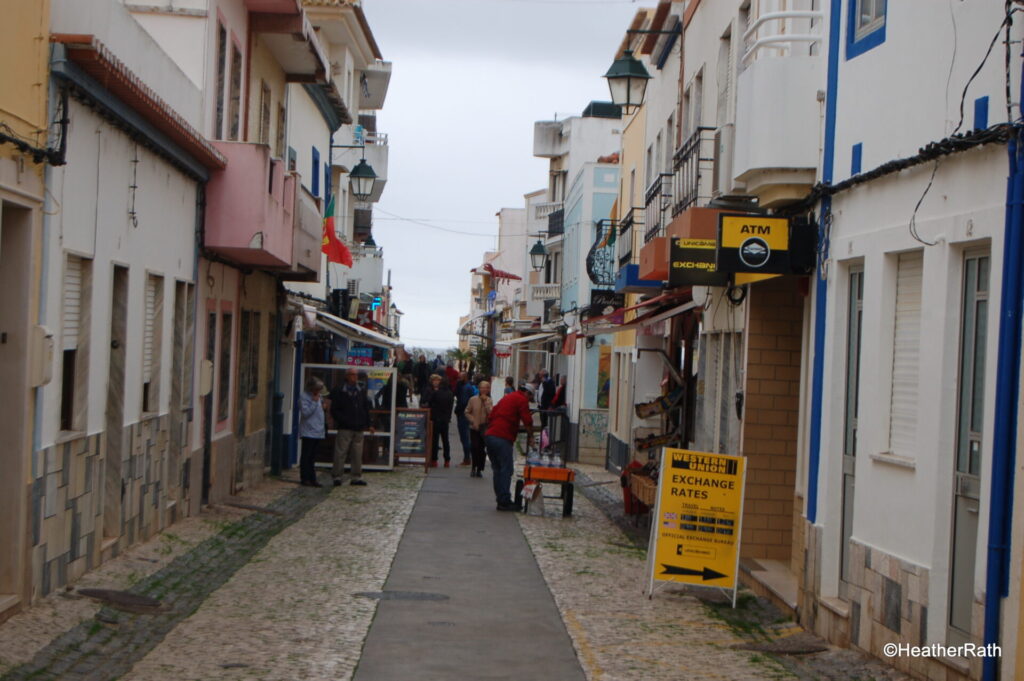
(286, 593)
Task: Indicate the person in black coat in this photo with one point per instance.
(440, 400)
(350, 409)
(421, 375)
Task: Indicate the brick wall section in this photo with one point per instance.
(770, 417)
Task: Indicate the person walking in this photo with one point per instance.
(464, 390)
(558, 401)
(510, 387)
(478, 413)
(545, 395)
(506, 415)
(440, 401)
(350, 409)
(421, 375)
(312, 429)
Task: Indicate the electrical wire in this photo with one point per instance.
(440, 229)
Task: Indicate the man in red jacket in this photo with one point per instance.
(501, 435)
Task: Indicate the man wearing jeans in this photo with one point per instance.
(505, 419)
(350, 409)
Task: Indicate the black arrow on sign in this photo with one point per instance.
(705, 574)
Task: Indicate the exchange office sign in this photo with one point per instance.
(695, 533)
(753, 243)
(692, 263)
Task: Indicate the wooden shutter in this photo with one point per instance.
(148, 329)
(72, 314)
(906, 355)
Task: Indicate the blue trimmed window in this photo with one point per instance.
(314, 178)
(327, 185)
(865, 26)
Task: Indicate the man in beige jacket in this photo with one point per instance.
(478, 412)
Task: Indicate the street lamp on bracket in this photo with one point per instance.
(362, 177)
(538, 256)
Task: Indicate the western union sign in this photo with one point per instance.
(753, 243)
(696, 527)
(692, 262)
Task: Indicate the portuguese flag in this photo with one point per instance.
(332, 246)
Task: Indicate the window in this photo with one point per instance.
(314, 178)
(73, 345)
(151, 333)
(973, 339)
(264, 113)
(282, 119)
(855, 313)
(724, 77)
(181, 358)
(865, 26)
(222, 47)
(224, 387)
(249, 364)
(906, 356)
(235, 103)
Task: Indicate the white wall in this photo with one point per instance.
(99, 165)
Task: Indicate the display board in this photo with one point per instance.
(412, 434)
(695, 532)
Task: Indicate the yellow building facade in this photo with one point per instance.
(24, 53)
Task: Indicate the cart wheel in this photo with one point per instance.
(519, 492)
(567, 492)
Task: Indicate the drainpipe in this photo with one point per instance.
(997, 570)
(277, 397)
(821, 288)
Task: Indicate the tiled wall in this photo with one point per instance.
(67, 534)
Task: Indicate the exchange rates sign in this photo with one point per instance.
(696, 527)
(692, 263)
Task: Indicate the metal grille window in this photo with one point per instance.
(224, 382)
(235, 101)
(73, 315)
(906, 355)
(222, 47)
(151, 341)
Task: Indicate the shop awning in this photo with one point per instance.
(528, 339)
(352, 331)
(488, 268)
(653, 310)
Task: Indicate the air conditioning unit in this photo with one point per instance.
(723, 183)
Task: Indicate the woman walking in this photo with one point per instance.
(478, 412)
(312, 429)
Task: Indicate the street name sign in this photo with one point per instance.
(695, 530)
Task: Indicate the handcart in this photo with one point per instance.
(564, 477)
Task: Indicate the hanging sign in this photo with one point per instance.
(692, 263)
(696, 527)
(753, 243)
(604, 302)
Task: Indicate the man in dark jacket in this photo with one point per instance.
(440, 401)
(545, 395)
(421, 375)
(464, 391)
(350, 409)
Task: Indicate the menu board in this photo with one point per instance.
(412, 432)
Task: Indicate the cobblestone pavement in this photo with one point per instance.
(595, 565)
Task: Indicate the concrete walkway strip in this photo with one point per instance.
(499, 620)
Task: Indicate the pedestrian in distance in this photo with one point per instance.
(558, 401)
(478, 413)
(464, 390)
(440, 401)
(350, 408)
(501, 435)
(546, 394)
(510, 387)
(433, 381)
(312, 429)
(421, 375)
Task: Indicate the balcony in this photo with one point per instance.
(368, 268)
(547, 139)
(545, 291)
(288, 34)
(657, 209)
(307, 238)
(694, 168)
(777, 111)
(543, 210)
(250, 208)
(373, 146)
(373, 85)
(628, 254)
(556, 222)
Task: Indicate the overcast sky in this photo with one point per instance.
(469, 79)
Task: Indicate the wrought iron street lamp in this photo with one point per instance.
(538, 256)
(627, 80)
(361, 180)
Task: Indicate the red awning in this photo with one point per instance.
(611, 323)
(488, 268)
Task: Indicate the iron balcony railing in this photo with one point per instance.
(693, 162)
(556, 224)
(601, 257)
(656, 206)
(630, 224)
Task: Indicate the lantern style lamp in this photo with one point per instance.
(627, 80)
(538, 256)
(361, 180)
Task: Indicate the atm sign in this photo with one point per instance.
(753, 243)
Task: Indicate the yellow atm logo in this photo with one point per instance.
(753, 243)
